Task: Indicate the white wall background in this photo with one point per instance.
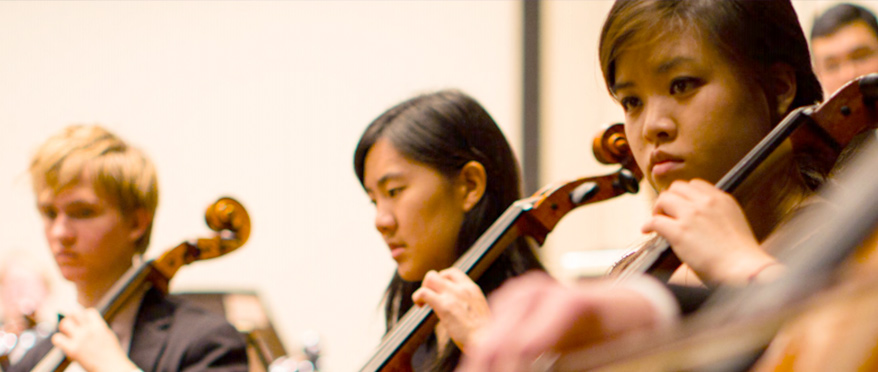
(265, 101)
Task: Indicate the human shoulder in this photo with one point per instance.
(193, 321)
(196, 339)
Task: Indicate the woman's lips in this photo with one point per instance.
(662, 163)
(396, 250)
(664, 167)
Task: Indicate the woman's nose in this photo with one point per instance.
(659, 124)
(384, 220)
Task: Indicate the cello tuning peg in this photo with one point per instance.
(627, 181)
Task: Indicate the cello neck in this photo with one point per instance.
(657, 258)
(822, 129)
(416, 325)
(130, 284)
(534, 217)
(134, 281)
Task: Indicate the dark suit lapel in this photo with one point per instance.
(149, 337)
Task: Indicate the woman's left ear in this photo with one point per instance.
(783, 87)
(472, 181)
(140, 221)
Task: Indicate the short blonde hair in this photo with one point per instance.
(119, 172)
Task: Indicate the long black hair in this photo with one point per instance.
(445, 130)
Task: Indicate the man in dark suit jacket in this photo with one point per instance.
(170, 334)
(97, 197)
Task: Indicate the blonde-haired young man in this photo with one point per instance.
(97, 197)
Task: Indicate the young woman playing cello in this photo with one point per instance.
(439, 172)
(700, 82)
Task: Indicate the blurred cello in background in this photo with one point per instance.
(227, 217)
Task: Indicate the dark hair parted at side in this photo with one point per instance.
(445, 130)
(842, 15)
(754, 35)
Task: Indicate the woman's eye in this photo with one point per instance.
(394, 191)
(683, 85)
(630, 103)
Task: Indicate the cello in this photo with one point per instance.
(738, 320)
(533, 217)
(820, 130)
(226, 216)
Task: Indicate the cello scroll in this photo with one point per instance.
(228, 218)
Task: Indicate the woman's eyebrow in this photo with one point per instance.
(662, 68)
